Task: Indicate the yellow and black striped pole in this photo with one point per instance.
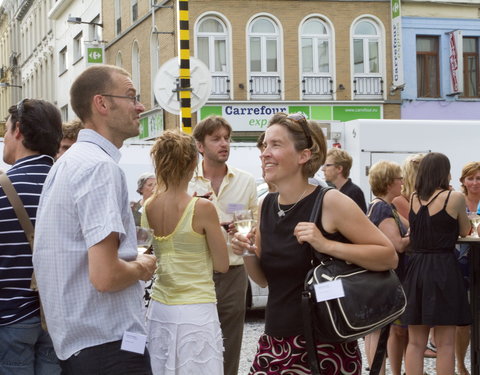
(185, 91)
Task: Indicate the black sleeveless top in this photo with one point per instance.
(285, 263)
(432, 234)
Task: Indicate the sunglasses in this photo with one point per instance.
(302, 121)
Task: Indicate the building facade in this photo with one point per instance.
(441, 44)
(328, 59)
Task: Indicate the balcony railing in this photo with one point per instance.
(220, 86)
(367, 87)
(317, 87)
(267, 87)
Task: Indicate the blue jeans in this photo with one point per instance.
(26, 349)
(107, 359)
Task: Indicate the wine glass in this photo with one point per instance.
(144, 238)
(243, 221)
(475, 219)
(227, 220)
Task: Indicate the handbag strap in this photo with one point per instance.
(308, 331)
(314, 215)
(380, 351)
(18, 207)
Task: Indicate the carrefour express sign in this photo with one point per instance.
(255, 117)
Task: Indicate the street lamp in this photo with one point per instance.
(78, 20)
(6, 84)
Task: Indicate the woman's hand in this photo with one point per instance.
(241, 243)
(309, 232)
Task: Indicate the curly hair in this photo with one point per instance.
(71, 129)
(409, 173)
(381, 175)
(40, 123)
(318, 148)
(469, 169)
(174, 156)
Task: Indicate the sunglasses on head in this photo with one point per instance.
(300, 119)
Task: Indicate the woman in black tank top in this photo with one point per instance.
(294, 150)
(436, 294)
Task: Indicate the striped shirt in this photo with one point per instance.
(17, 300)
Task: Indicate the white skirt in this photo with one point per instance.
(184, 339)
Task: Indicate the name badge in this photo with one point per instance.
(232, 207)
(329, 290)
(134, 342)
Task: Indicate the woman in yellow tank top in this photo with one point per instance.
(184, 335)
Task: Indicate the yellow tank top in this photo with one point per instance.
(184, 264)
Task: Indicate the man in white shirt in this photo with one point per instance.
(85, 258)
(230, 189)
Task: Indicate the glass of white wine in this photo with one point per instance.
(475, 219)
(144, 238)
(243, 221)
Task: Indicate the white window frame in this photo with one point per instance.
(154, 62)
(62, 60)
(330, 38)
(117, 14)
(380, 76)
(278, 36)
(133, 4)
(220, 78)
(136, 67)
(78, 47)
(119, 59)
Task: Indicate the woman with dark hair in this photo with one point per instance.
(434, 284)
(294, 149)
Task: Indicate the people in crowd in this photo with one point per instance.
(229, 189)
(470, 185)
(336, 170)
(31, 141)
(85, 258)
(70, 132)
(184, 335)
(145, 186)
(294, 149)
(386, 182)
(436, 294)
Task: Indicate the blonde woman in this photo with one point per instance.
(294, 149)
(184, 335)
(386, 182)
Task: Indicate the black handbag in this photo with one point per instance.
(372, 299)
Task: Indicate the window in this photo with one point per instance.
(134, 10)
(471, 76)
(136, 67)
(118, 17)
(94, 30)
(62, 60)
(316, 57)
(154, 62)
(119, 60)
(264, 53)
(368, 58)
(64, 113)
(78, 47)
(212, 48)
(366, 48)
(428, 81)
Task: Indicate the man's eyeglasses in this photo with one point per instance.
(131, 97)
(328, 165)
(302, 121)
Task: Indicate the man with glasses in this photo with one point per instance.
(230, 189)
(85, 260)
(32, 137)
(336, 171)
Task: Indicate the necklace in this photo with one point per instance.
(281, 212)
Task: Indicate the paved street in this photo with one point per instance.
(254, 325)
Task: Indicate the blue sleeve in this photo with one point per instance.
(379, 212)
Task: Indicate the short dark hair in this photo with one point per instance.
(92, 81)
(40, 123)
(208, 126)
(433, 173)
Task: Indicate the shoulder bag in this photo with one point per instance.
(372, 299)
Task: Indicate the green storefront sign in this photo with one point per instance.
(95, 55)
(255, 117)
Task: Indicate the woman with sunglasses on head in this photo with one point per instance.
(294, 149)
(436, 294)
